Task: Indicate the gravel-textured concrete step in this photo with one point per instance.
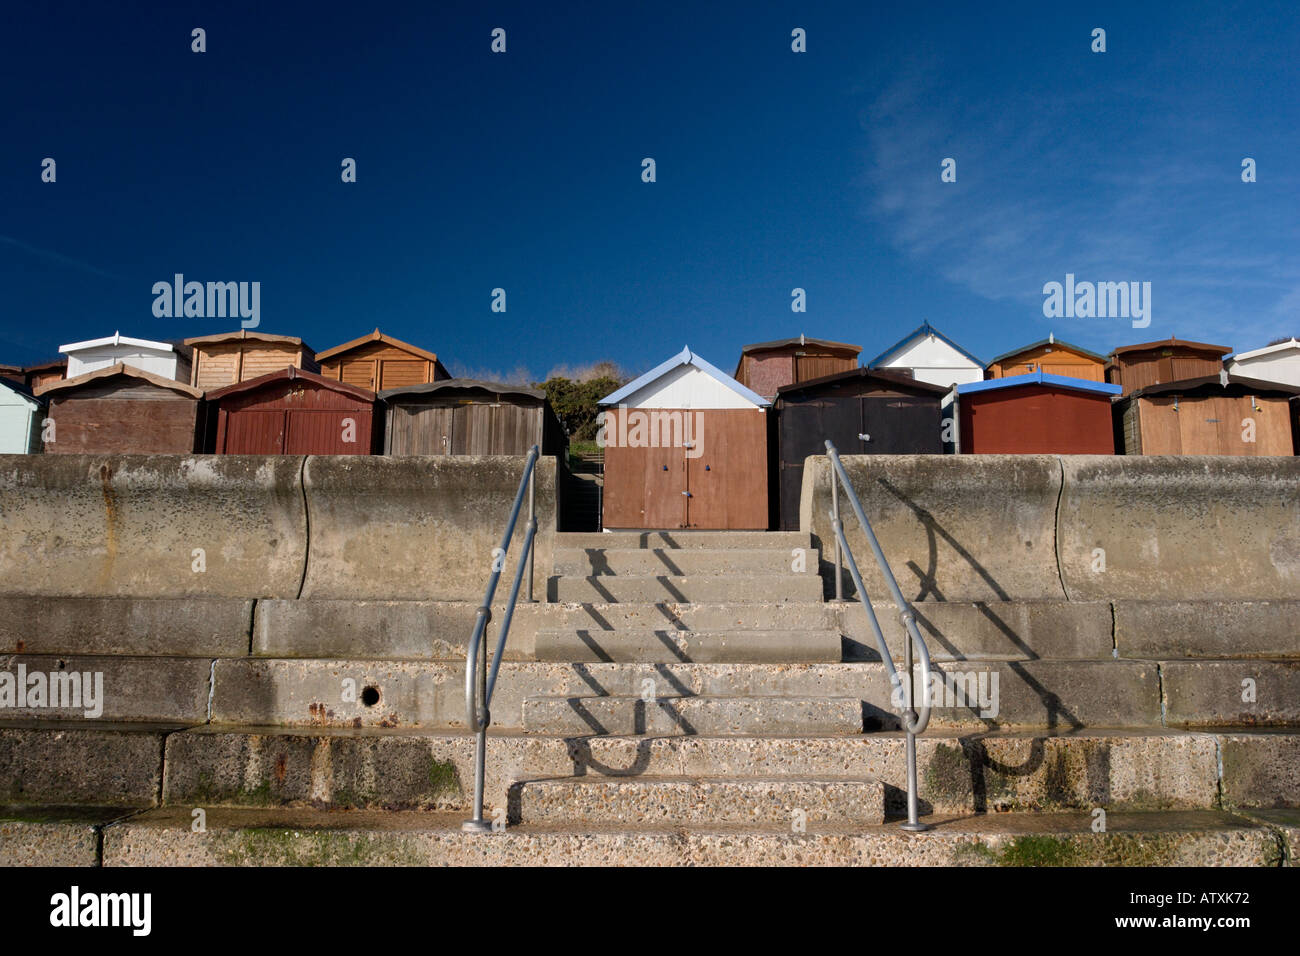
(683, 540)
(666, 644)
(693, 715)
(412, 769)
(164, 837)
(584, 562)
(54, 763)
(765, 588)
(54, 836)
(696, 800)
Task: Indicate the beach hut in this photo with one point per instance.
(380, 362)
(221, 360)
(20, 418)
(1158, 363)
(292, 412)
(460, 416)
(766, 366)
(13, 373)
(930, 356)
(122, 410)
(1213, 415)
(685, 447)
(1036, 414)
(1278, 362)
(1053, 357)
(36, 377)
(863, 412)
(164, 359)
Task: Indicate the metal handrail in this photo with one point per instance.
(479, 681)
(914, 721)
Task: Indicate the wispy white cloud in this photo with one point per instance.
(1036, 198)
(58, 257)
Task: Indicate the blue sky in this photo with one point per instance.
(775, 170)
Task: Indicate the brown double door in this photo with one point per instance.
(715, 478)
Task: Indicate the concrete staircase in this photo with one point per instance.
(682, 698)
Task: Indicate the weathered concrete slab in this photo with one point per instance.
(1286, 824)
(340, 769)
(390, 630)
(686, 800)
(985, 772)
(1247, 693)
(170, 627)
(641, 589)
(988, 631)
(1261, 769)
(157, 689)
(1062, 695)
(588, 562)
(141, 525)
(52, 763)
(1157, 630)
(1180, 527)
(418, 528)
(666, 645)
(53, 836)
(312, 838)
(945, 535)
(684, 540)
(722, 716)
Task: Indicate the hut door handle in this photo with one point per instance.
(687, 494)
(865, 437)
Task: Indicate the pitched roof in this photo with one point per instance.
(1223, 380)
(1050, 340)
(1267, 349)
(117, 338)
(21, 390)
(921, 331)
(121, 368)
(1184, 343)
(242, 335)
(376, 336)
(684, 357)
(454, 384)
(288, 374)
(801, 340)
(1041, 378)
(897, 379)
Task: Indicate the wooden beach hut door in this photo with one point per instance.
(719, 482)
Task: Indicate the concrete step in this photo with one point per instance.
(1057, 695)
(758, 588)
(693, 715)
(55, 763)
(92, 688)
(673, 540)
(693, 800)
(584, 562)
(54, 836)
(47, 764)
(236, 837)
(666, 644)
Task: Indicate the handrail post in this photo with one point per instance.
(835, 516)
(532, 523)
(477, 824)
(479, 684)
(914, 722)
(913, 822)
